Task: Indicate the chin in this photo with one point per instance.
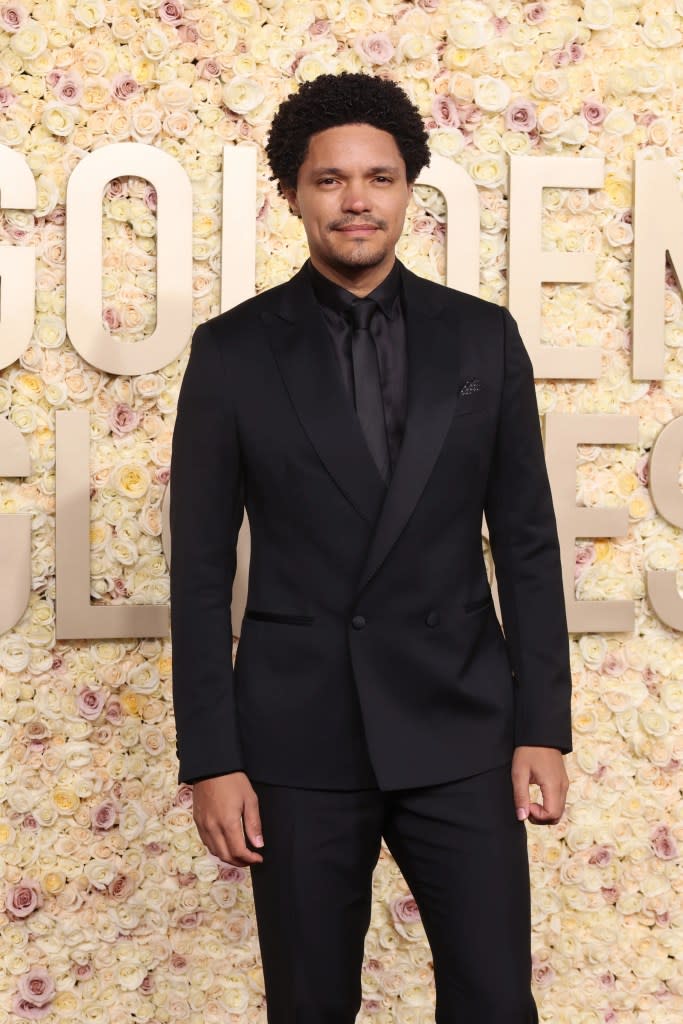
(360, 256)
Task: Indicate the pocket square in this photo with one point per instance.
(470, 385)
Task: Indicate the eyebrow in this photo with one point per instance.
(384, 168)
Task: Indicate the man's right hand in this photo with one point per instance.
(218, 806)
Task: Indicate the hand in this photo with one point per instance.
(544, 766)
(218, 806)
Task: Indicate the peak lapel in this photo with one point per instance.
(433, 367)
(298, 336)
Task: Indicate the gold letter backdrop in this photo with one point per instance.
(113, 910)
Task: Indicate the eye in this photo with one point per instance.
(383, 177)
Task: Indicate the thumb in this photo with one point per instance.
(252, 820)
(520, 787)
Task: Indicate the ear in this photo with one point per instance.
(290, 195)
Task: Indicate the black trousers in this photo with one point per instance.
(463, 855)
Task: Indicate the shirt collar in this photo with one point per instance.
(339, 298)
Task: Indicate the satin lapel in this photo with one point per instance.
(433, 367)
(305, 355)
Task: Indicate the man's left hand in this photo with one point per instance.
(545, 767)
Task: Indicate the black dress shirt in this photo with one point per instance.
(388, 329)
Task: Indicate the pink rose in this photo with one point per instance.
(103, 816)
(663, 844)
(543, 975)
(642, 469)
(82, 971)
(188, 33)
(500, 24)
(183, 797)
(119, 588)
(111, 318)
(28, 1010)
(445, 112)
(69, 88)
(36, 986)
(185, 878)
(231, 873)
(585, 555)
(122, 419)
(124, 86)
(534, 14)
(114, 189)
(12, 17)
(601, 855)
(320, 27)
(405, 909)
(190, 921)
(520, 116)
(121, 887)
(560, 58)
(208, 67)
(114, 711)
(149, 197)
(162, 474)
(178, 963)
(377, 48)
(147, 984)
(610, 893)
(575, 51)
(606, 980)
(23, 898)
(614, 664)
(7, 97)
(170, 11)
(90, 703)
(594, 112)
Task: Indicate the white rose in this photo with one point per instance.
(242, 95)
(491, 94)
(29, 41)
(597, 14)
(660, 32)
(619, 121)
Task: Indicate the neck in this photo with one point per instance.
(359, 281)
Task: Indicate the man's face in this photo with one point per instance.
(352, 196)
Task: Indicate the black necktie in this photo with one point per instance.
(366, 382)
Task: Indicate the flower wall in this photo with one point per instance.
(112, 909)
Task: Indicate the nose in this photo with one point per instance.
(356, 197)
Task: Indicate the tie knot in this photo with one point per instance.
(361, 313)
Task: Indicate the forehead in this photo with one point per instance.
(351, 144)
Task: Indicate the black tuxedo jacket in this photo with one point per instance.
(370, 650)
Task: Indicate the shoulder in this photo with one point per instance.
(465, 305)
(247, 313)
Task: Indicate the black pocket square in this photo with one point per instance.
(470, 385)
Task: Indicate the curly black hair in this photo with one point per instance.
(347, 98)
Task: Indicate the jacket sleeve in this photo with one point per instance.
(526, 553)
(206, 511)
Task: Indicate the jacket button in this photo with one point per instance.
(432, 619)
(358, 621)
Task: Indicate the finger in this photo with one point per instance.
(252, 820)
(520, 791)
(232, 830)
(552, 798)
(540, 815)
(215, 843)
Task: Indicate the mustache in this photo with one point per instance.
(335, 225)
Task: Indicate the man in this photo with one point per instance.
(367, 418)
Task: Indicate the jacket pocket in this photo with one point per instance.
(478, 603)
(289, 620)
